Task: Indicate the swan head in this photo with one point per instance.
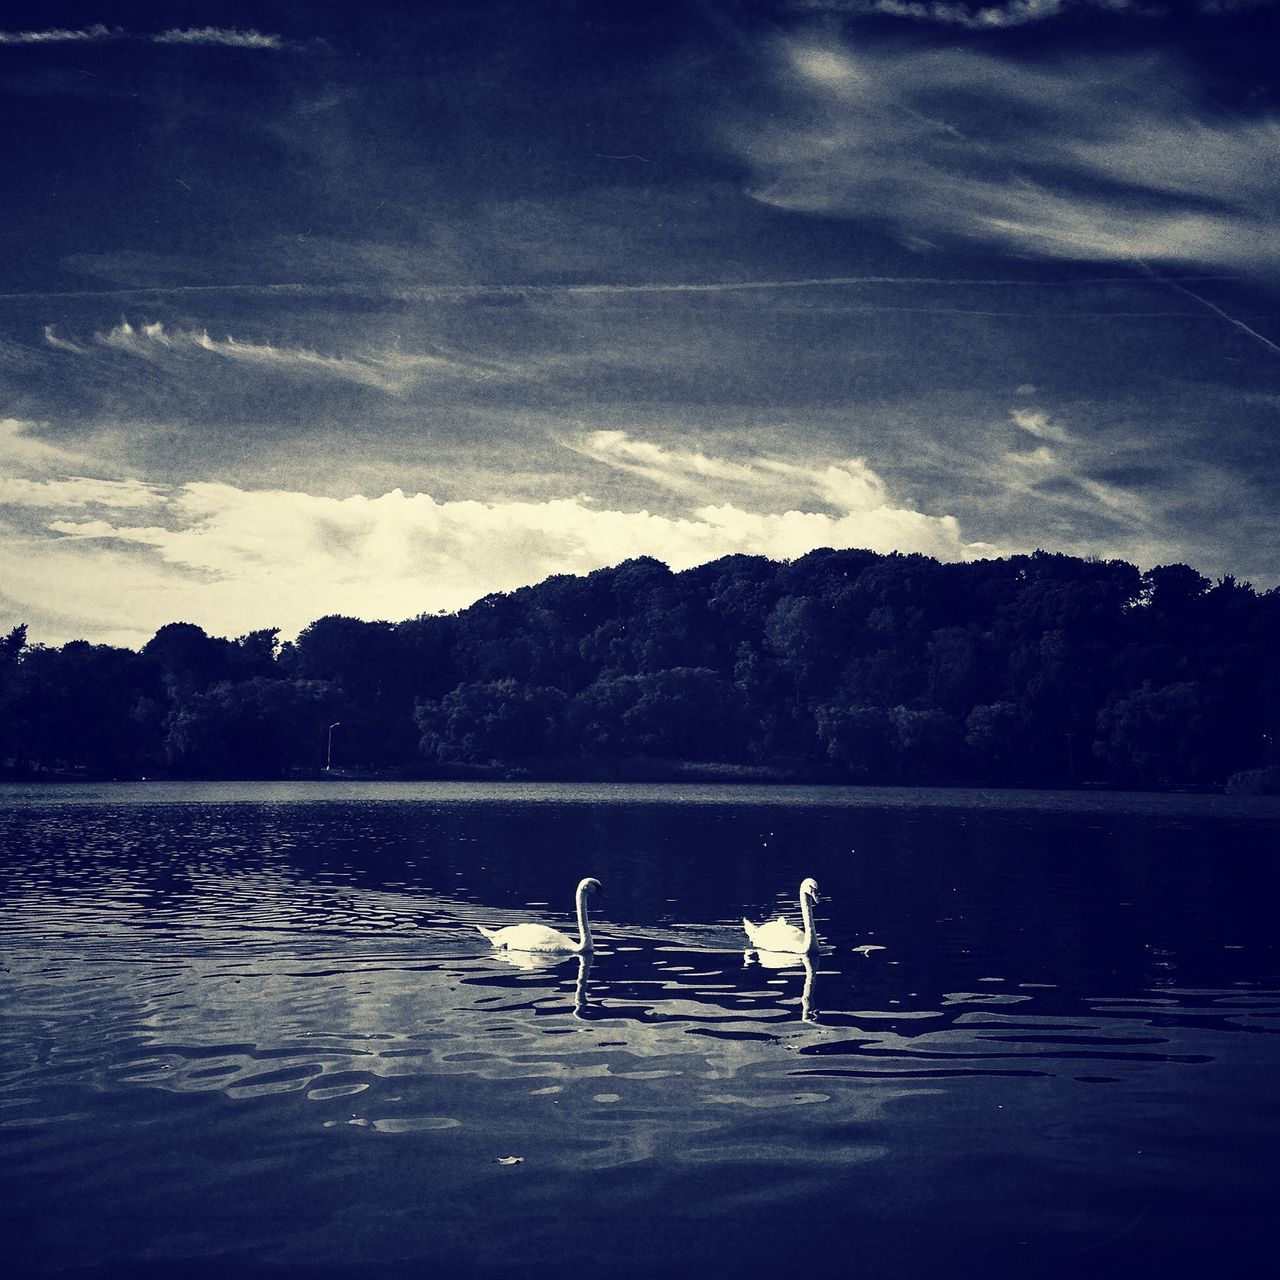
(590, 885)
(809, 889)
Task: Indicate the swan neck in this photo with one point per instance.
(584, 928)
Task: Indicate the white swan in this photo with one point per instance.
(778, 935)
(541, 938)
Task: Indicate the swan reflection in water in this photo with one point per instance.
(548, 960)
(788, 960)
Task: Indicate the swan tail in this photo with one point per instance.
(491, 934)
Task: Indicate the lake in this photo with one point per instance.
(251, 1028)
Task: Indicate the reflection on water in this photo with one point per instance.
(788, 960)
(266, 1034)
(544, 962)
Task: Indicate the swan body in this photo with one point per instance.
(781, 936)
(542, 939)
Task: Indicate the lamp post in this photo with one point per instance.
(328, 755)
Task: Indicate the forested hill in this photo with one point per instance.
(841, 665)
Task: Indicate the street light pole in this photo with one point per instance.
(328, 755)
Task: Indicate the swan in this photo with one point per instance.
(541, 938)
(778, 935)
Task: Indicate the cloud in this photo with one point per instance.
(21, 450)
(232, 559)
(391, 370)
(421, 553)
(223, 36)
(58, 35)
(1088, 157)
(79, 491)
(1012, 13)
(1063, 477)
(1037, 423)
(847, 487)
(119, 558)
(61, 344)
(229, 38)
(981, 17)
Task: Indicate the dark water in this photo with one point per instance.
(250, 1030)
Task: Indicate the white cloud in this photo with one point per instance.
(61, 344)
(79, 491)
(1036, 423)
(848, 486)
(120, 558)
(1062, 478)
(21, 450)
(61, 35)
(228, 37)
(232, 559)
(998, 17)
(683, 470)
(390, 370)
(223, 36)
(1089, 157)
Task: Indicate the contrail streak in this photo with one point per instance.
(1209, 306)
(428, 292)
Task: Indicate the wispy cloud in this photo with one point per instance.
(1089, 157)
(1011, 13)
(228, 37)
(129, 555)
(79, 492)
(848, 487)
(1036, 422)
(21, 448)
(60, 35)
(1063, 476)
(61, 344)
(391, 370)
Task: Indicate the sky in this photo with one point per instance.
(313, 307)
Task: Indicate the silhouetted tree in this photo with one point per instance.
(492, 721)
(1034, 668)
(259, 727)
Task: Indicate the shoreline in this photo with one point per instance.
(638, 773)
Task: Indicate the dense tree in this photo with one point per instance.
(11, 647)
(259, 727)
(492, 721)
(1158, 735)
(84, 707)
(372, 692)
(682, 713)
(1039, 668)
(863, 740)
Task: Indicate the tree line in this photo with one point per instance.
(842, 665)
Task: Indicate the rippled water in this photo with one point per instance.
(251, 1027)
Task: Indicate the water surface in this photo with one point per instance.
(251, 1027)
